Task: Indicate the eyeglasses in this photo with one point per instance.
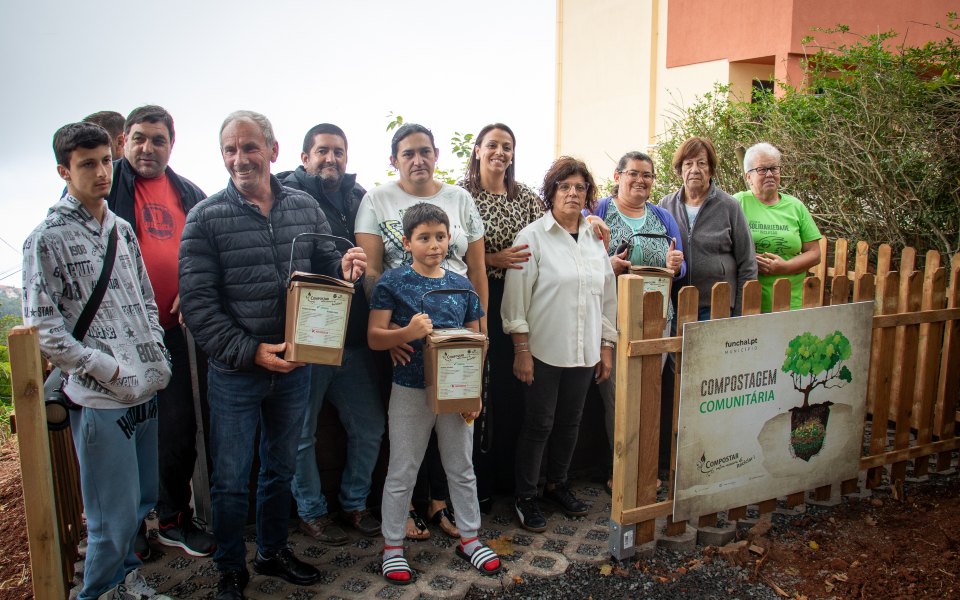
(762, 171)
(637, 174)
(580, 188)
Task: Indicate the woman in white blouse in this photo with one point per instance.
(560, 311)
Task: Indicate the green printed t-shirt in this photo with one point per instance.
(781, 229)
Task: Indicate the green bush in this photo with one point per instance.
(870, 144)
(7, 322)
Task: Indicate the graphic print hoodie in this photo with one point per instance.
(62, 261)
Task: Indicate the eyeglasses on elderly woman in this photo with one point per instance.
(762, 171)
(580, 188)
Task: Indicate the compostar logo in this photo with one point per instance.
(708, 466)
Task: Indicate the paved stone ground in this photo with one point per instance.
(353, 571)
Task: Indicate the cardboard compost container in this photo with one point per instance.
(453, 369)
(655, 279)
(318, 308)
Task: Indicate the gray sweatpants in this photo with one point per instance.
(410, 421)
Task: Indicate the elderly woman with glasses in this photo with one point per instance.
(560, 310)
(713, 230)
(784, 234)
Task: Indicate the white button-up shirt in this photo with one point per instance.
(564, 297)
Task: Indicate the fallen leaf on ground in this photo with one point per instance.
(605, 570)
(502, 545)
(517, 580)
(840, 576)
(813, 545)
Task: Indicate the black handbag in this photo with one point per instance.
(55, 400)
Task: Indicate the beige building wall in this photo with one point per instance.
(603, 80)
(607, 101)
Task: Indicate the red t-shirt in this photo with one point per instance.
(160, 220)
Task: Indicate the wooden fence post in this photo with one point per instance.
(626, 450)
(905, 366)
(881, 367)
(26, 374)
(687, 302)
(928, 362)
(949, 384)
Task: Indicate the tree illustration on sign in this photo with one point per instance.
(813, 362)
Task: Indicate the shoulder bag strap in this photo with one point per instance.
(93, 304)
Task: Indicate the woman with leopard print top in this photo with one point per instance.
(506, 206)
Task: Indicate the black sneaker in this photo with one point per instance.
(231, 584)
(286, 566)
(140, 545)
(187, 533)
(531, 518)
(561, 495)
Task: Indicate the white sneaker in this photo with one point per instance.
(116, 593)
(138, 589)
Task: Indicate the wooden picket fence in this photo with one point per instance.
(913, 385)
(50, 475)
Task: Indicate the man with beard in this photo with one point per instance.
(155, 200)
(352, 388)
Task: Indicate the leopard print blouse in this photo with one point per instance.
(503, 219)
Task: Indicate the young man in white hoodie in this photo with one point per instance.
(114, 371)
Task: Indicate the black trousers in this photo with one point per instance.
(551, 422)
(177, 427)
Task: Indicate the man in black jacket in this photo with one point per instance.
(235, 257)
(155, 200)
(352, 388)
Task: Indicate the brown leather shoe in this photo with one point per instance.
(362, 521)
(323, 529)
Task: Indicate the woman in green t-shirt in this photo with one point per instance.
(784, 234)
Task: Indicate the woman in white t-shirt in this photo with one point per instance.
(379, 232)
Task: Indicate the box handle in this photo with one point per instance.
(318, 235)
(628, 243)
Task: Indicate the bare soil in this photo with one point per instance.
(15, 582)
(903, 542)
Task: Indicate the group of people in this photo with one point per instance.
(542, 268)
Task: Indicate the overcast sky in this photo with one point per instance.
(449, 64)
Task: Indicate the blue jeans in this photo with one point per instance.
(117, 453)
(239, 401)
(352, 388)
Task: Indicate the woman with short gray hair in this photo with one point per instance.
(784, 234)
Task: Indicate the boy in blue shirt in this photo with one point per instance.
(395, 318)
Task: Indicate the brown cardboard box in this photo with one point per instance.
(655, 279)
(453, 369)
(317, 311)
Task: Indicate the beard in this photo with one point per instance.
(330, 177)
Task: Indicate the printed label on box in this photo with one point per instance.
(458, 373)
(322, 318)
